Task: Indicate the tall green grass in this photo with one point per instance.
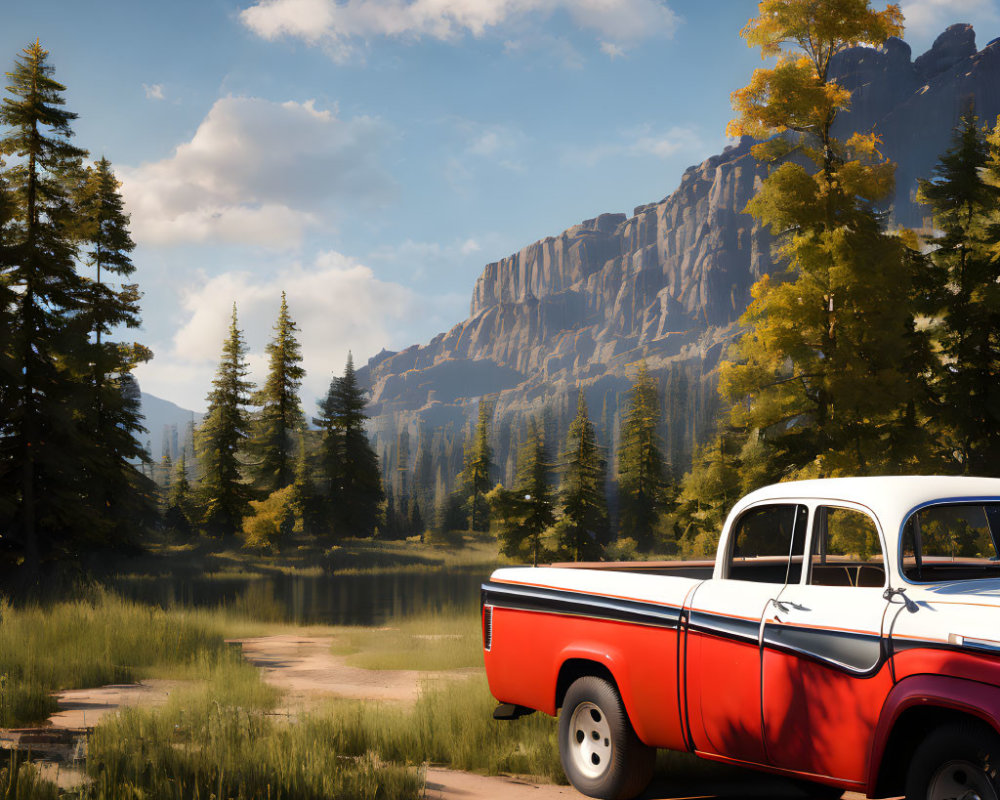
(217, 740)
(451, 724)
(19, 780)
(95, 641)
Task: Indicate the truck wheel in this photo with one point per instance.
(956, 761)
(600, 753)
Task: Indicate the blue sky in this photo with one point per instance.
(370, 156)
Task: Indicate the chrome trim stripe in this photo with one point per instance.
(859, 653)
(559, 601)
(721, 625)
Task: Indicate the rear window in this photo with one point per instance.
(767, 544)
(952, 542)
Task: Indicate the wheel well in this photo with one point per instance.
(578, 668)
(907, 733)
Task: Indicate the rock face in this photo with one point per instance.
(669, 282)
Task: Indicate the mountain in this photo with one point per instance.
(667, 283)
(166, 421)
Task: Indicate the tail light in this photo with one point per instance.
(487, 627)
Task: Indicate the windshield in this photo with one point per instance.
(952, 542)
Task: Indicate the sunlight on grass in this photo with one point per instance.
(101, 640)
(217, 740)
(448, 639)
(451, 725)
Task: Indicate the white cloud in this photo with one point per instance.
(612, 50)
(337, 24)
(496, 145)
(337, 303)
(642, 142)
(930, 17)
(154, 91)
(257, 172)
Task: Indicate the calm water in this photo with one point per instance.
(326, 599)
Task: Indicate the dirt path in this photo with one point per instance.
(304, 667)
(84, 708)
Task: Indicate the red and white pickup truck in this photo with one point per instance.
(848, 634)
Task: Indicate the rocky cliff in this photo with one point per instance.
(669, 282)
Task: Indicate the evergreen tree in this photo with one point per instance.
(223, 435)
(533, 496)
(416, 518)
(476, 476)
(349, 464)
(390, 521)
(707, 494)
(305, 501)
(583, 526)
(166, 474)
(641, 485)
(965, 300)
(280, 413)
(179, 499)
(534, 489)
(111, 417)
(43, 449)
(829, 369)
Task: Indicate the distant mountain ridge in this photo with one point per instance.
(165, 421)
(669, 282)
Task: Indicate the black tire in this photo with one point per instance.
(956, 760)
(600, 753)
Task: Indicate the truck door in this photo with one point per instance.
(764, 552)
(824, 674)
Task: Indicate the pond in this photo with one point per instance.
(328, 599)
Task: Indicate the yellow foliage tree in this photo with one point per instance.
(826, 374)
(273, 519)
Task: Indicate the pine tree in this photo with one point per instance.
(534, 496)
(305, 501)
(476, 476)
(112, 418)
(222, 437)
(583, 525)
(280, 415)
(349, 464)
(179, 499)
(827, 373)
(43, 448)
(641, 484)
(965, 300)
(416, 518)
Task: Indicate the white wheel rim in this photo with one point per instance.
(960, 780)
(590, 744)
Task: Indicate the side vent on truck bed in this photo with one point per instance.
(487, 627)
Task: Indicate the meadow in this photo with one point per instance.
(223, 732)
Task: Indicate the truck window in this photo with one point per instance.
(846, 550)
(952, 542)
(768, 544)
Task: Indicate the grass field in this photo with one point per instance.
(98, 640)
(448, 639)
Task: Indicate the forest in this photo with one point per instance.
(874, 350)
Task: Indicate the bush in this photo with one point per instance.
(624, 549)
(272, 520)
